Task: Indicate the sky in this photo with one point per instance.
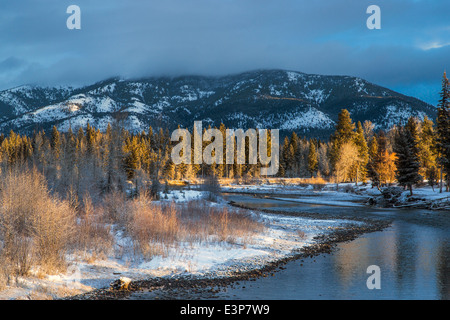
(134, 39)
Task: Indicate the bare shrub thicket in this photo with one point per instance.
(153, 227)
(204, 222)
(36, 229)
(94, 237)
(115, 208)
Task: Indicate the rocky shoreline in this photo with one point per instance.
(391, 197)
(186, 284)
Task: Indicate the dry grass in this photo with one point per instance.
(156, 227)
(255, 180)
(317, 182)
(203, 221)
(153, 227)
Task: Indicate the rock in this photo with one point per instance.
(121, 284)
(391, 192)
(390, 196)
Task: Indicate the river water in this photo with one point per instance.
(413, 256)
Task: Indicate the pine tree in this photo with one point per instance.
(55, 142)
(432, 175)
(372, 171)
(297, 157)
(443, 131)
(426, 145)
(344, 133)
(363, 153)
(407, 160)
(313, 163)
(69, 162)
(169, 170)
(131, 159)
(287, 156)
(90, 139)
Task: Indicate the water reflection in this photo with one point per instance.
(413, 255)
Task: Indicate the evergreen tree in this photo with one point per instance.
(432, 175)
(55, 142)
(407, 160)
(344, 133)
(313, 163)
(443, 131)
(426, 145)
(363, 153)
(131, 159)
(287, 156)
(169, 170)
(297, 154)
(372, 171)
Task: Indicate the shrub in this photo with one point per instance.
(115, 208)
(202, 220)
(36, 229)
(153, 227)
(93, 233)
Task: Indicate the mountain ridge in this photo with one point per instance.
(274, 99)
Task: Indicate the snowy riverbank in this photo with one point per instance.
(281, 237)
(348, 194)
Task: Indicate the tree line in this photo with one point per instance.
(89, 160)
(407, 154)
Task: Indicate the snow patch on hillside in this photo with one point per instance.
(396, 115)
(312, 118)
(317, 95)
(359, 85)
(294, 76)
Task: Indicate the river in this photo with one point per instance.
(413, 256)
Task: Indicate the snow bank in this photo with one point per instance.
(282, 236)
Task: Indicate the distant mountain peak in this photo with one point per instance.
(274, 99)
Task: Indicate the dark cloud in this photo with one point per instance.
(145, 38)
(10, 64)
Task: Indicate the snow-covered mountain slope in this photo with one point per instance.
(274, 99)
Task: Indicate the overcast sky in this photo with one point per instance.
(214, 37)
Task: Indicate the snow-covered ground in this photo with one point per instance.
(280, 238)
(326, 195)
(346, 194)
